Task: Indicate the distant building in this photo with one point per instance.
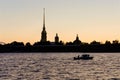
(56, 38)
(77, 41)
(44, 33)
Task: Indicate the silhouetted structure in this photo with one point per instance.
(56, 38)
(59, 46)
(44, 33)
(77, 41)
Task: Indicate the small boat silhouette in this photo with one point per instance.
(83, 57)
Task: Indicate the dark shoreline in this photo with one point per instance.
(61, 49)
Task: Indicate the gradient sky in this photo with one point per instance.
(22, 20)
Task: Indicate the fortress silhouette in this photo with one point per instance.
(44, 34)
(58, 46)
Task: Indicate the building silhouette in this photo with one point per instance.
(77, 41)
(43, 33)
(56, 38)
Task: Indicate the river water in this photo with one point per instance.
(59, 66)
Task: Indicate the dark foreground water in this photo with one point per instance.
(59, 66)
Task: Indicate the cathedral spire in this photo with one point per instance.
(43, 33)
(43, 18)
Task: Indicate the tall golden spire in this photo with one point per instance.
(43, 33)
(43, 17)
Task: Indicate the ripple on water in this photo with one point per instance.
(59, 66)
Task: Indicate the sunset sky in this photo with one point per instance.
(22, 20)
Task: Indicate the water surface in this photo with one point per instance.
(58, 66)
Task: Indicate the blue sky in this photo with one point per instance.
(21, 20)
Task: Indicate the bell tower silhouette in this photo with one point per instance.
(56, 38)
(43, 33)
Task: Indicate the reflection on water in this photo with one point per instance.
(59, 66)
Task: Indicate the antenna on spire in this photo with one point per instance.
(43, 17)
(43, 33)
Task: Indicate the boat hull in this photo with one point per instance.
(82, 58)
